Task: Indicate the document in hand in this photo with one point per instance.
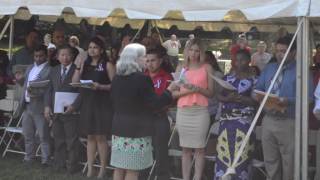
(223, 83)
(316, 109)
(62, 100)
(273, 101)
(39, 84)
(83, 84)
(179, 77)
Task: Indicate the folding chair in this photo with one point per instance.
(11, 131)
(8, 106)
(83, 142)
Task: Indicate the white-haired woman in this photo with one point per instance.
(133, 100)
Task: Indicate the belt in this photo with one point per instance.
(278, 115)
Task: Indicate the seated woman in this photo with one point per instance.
(238, 109)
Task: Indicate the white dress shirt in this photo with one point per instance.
(34, 75)
(68, 68)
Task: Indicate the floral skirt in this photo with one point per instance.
(131, 153)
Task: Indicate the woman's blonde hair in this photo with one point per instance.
(127, 63)
(202, 48)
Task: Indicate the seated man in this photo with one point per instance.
(64, 126)
(32, 105)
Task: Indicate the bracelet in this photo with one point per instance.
(197, 89)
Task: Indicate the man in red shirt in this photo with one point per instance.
(161, 80)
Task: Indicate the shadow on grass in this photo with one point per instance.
(12, 168)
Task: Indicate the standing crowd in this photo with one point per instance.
(128, 99)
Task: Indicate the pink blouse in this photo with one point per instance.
(197, 77)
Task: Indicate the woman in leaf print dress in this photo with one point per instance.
(236, 116)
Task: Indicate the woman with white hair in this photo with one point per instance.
(134, 101)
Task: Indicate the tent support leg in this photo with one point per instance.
(5, 28)
(11, 36)
(302, 102)
(305, 96)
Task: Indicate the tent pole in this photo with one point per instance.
(297, 139)
(136, 35)
(305, 96)
(158, 31)
(11, 36)
(5, 28)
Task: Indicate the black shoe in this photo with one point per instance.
(27, 162)
(59, 169)
(45, 165)
(73, 170)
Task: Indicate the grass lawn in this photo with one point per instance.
(12, 168)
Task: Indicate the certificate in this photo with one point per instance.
(62, 100)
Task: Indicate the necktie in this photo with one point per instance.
(277, 84)
(64, 73)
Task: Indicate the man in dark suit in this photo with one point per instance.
(64, 125)
(32, 106)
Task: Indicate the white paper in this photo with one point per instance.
(223, 83)
(83, 84)
(86, 81)
(264, 93)
(316, 109)
(179, 77)
(63, 99)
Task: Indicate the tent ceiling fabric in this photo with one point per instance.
(192, 10)
(165, 12)
(314, 8)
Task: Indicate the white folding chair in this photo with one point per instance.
(12, 131)
(8, 106)
(83, 142)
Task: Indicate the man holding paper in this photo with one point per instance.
(60, 95)
(279, 121)
(32, 106)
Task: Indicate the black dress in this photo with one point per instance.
(95, 107)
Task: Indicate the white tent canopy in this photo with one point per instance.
(192, 10)
(237, 15)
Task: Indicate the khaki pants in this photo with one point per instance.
(278, 147)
